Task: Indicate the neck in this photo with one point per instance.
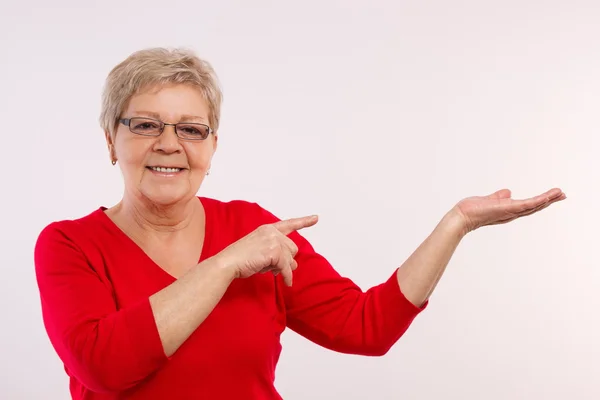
(150, 217)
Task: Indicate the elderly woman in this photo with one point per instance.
(167, 295)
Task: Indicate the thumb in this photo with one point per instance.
(500, 194)
(294, 224)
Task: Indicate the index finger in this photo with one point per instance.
(550, 196)
(288, 226)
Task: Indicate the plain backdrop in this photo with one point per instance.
(378, 116)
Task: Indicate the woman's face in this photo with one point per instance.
(164, 169)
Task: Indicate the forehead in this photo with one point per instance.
(171, 102)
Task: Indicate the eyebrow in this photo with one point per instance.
(147, 114)
(185, 117)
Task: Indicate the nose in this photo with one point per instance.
(168, 142)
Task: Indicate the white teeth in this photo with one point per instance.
(162, 169)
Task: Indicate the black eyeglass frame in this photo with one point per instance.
(162, 125)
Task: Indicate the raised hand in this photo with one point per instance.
(500, 208)
(266, 249)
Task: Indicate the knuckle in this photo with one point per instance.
(275, 247)
(271, 253)
(263, 229)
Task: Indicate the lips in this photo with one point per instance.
(166, 169)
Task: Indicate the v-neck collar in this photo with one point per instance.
(105, 219)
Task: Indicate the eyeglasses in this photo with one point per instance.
(153, 127)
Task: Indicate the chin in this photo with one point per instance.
(166, 196)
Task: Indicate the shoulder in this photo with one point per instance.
(73, 236)
(71, 227)
(240, 217)
(239, 211)
(228, 221)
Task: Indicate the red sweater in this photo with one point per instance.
(95, 283)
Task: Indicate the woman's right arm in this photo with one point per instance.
(182, 306)
(110, 349)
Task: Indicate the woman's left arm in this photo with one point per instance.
(333, 312)
(421, 272)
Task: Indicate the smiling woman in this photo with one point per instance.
(167, 295)
(164, 143)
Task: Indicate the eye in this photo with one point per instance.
(145, 125)
(193, 130)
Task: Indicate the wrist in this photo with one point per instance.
(222, 266)
(455, 222)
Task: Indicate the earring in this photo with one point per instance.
(113, 162)
(208, 172)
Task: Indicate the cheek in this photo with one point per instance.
(133, 152)
(132, 157)
(200, 157)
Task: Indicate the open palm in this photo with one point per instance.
(500, 208)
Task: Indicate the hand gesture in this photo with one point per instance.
(500, 208)
(266, 249)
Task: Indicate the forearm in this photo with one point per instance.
(421, 272)
(182, 306)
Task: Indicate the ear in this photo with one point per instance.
(108, 138)
(111, 146)
(215, 142)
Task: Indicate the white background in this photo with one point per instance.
(377, 115)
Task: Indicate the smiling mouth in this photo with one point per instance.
(167, 170)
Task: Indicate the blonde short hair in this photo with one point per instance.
(158, 66)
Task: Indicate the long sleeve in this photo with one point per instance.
(332, 311)
(105, 348)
